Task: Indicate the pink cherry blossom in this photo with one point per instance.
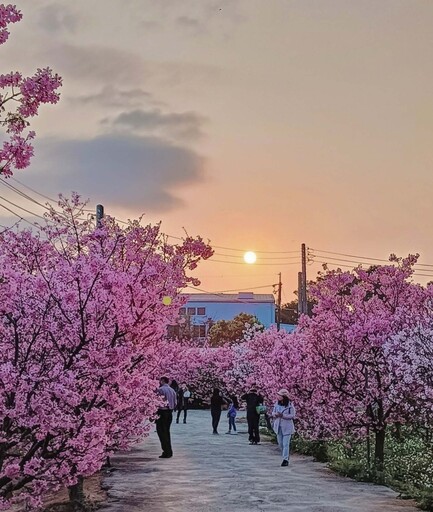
(8, 14)
(81, 337)
(20, 99)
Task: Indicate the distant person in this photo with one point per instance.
(165, 417)
(216, 403)
(231, 415)
(283, 414)
(253, 399)
(174, 385)
(183, 396)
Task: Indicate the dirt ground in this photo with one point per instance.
(93, 489)
(58, 502)
(218, 473)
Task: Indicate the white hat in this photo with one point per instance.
(283, 392)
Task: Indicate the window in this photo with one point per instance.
(199, 331)
(182, 311)
(173, 331)
(201, 311)
(191, 311)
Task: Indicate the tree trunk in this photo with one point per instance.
(76, 494)
(368, 450)
(379, 449)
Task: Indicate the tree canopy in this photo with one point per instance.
(227, 332)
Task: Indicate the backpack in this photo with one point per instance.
(231, 413)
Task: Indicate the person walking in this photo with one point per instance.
(253, 399)
(165, 417)
(283, 414)
(216, 403)
(231, 415)
(183, 396)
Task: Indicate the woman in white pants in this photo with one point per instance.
(283, 415)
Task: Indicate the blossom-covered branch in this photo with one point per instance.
(20, 99)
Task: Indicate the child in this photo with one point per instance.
(231, 415)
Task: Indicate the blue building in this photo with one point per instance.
(204, 309)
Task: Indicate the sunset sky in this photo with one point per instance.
(258, 124)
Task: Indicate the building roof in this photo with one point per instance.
(241, 297)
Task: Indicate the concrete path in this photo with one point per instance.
(223, 473)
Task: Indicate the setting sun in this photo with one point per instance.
(250, 257)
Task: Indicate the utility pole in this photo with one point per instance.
(299, 294)
(304, 279)
(99, 214)
(279, 302)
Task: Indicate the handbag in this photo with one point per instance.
(261, 409)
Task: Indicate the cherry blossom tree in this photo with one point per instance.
(411, 353)
(20, 99)
(203, 368)
(359, 364)
(82, 317)
(346, 372)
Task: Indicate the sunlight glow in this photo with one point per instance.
(250, 257)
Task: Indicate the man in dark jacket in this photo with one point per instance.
(252, 400)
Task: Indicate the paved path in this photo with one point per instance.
(223, 473)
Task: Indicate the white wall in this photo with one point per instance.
(265, 312)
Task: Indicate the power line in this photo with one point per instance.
(349, 255)
(35, 191)
(416, 272)
(241, 250)
(216, 276)
(359, 257)
(21, 208)
(258, 252)
(246, 289)
(260, 257)
(221, 294)
(254, 264)
(10, 228)
(31, 199)
(340, 259)
(22, 194)
(418, 265)
(333, 264)
(19, 216)
(423, 265)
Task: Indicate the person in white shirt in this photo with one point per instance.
(183, 396)
(283, 415)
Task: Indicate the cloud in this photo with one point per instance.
(110, 96)
(150, 25)
(95, 63)
(183, 126)
(103, 65)
(57, 18)
(220, 18)
(137, 173)
(198, 26)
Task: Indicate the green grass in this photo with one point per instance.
(408, 464)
